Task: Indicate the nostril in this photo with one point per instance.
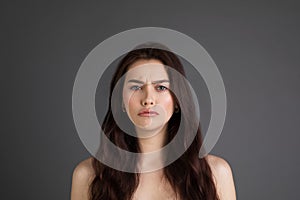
(147, 102)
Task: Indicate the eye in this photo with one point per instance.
(135, 87)
(161, 88)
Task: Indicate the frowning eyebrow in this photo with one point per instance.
(154, 82)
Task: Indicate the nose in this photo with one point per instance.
(148, 98)
(147, 102)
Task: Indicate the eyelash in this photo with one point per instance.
(159, 88)
(135, 87)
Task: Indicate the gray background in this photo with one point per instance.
(254, 44)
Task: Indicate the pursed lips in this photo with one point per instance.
(147, 113)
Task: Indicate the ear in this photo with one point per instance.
(176, 108)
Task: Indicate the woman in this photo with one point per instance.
(156, 101)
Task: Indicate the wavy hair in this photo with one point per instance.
(189, 176)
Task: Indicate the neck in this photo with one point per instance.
(152, 144)
(153, 140)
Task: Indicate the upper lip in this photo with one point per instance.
(145, 111)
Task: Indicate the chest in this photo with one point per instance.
(153, 189)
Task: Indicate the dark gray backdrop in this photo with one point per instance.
(254, 44)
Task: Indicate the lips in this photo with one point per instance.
(147, 113)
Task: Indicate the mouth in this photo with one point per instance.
(147, 113)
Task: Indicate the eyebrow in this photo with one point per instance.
(154, 82)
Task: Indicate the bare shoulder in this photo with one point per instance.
(84, 170)
(219, 166)
(83, 175)
(223, 177)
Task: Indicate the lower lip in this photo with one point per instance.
(147, 114)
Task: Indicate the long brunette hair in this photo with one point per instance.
(189, 176)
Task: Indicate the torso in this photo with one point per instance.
(153, 187)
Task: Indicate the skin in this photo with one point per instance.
(146, 94)
(146, 88)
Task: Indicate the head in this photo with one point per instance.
(147, 98)
(150, 86)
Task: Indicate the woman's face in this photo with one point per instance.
(146, 96)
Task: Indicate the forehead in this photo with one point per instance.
(147, 70)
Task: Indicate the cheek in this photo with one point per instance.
(130, 100)
(168, 104)
(132, 108)
(131, 104)
(126, 98)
